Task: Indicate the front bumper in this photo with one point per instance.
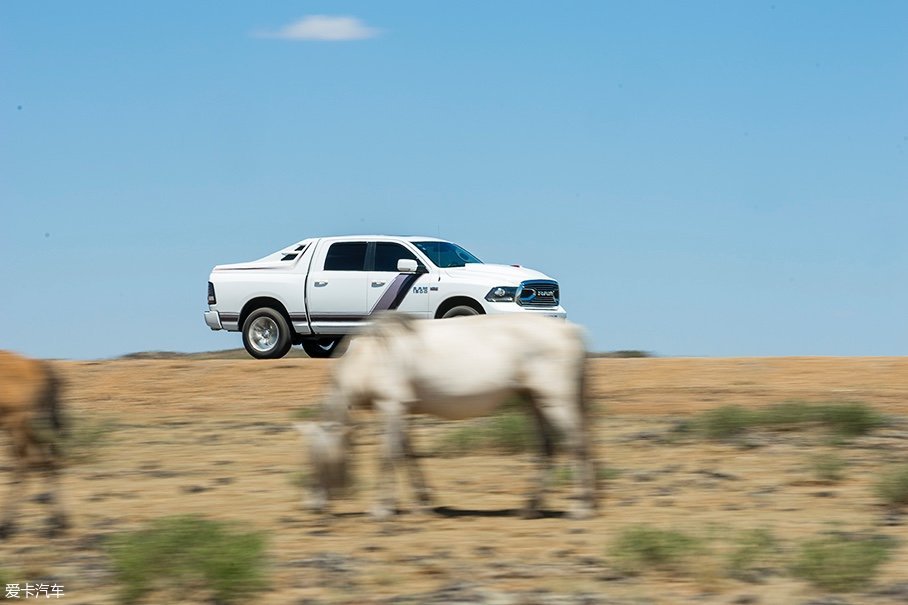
(213, 319)
(500, 308)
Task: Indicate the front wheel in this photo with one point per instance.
(266, 334)
(320, 348)
(460, 311)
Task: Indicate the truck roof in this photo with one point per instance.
(408, 238)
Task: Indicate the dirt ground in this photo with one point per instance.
(214, 437)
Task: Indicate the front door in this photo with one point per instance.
(390, 289)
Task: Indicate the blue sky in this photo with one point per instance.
(703, 178)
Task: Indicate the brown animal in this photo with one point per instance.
(30, 414)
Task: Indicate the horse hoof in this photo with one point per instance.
(382, 513)
(581, 513)
(531, 513)
(317, 507)
(7, 530)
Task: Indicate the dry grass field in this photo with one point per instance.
(213, 437)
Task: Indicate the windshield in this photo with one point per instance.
(446, 254)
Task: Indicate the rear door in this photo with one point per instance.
(336, 287)
(389, 289)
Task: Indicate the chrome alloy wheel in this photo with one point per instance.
(263, 334)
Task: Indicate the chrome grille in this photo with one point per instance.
(538, 293)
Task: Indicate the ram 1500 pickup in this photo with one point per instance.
(315, 291)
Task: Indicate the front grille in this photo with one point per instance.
(538, 293)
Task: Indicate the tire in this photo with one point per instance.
(320, 348)
(460, 311)
(266, 334)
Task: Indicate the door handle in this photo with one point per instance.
(377, 284)
(320, 284)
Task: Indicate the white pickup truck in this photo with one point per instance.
(315, 291)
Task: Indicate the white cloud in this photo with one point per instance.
(324, 28)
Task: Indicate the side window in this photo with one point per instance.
(388, 253)
(346, 256)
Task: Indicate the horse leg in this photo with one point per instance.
(58, 520)
(390, 455)
(321, 452)
(49, 405)
(417, 479)
(317, 498)
(316, 490)
(14, 495)
(585, 477)
(544, 463)
(570, 421)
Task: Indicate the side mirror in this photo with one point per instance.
(406, 265)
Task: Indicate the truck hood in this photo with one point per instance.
(497, 275)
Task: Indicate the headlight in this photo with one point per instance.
(501, 294)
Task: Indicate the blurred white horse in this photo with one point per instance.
(455, 368)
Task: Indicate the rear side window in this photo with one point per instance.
(346, 256)
(388, 253)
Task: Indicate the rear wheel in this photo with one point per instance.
(266, 334)
(460, 311)
(320, 348)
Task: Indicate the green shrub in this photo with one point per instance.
(841, 563)
(892, 487)
(755, 552)
(786, 415)
(849, 419)
(828, 468)
(510, 432)
(725, 422)
(299, 479)
(85, 437)
(461, 441)
(564, 474)
(641, 548)
(188, 555)
(6, 578)
(307, 413)
(843, 419)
